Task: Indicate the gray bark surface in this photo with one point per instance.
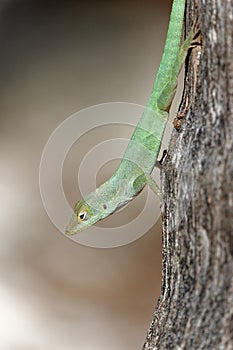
(195, 309)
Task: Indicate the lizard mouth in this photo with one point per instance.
(73, 227)
(72, 230)
(69, 232)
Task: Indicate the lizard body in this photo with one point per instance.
(141, 154)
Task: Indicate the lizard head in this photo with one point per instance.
(94, 207)
(84, 216)
(97, 205)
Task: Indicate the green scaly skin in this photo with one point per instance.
(141, 154)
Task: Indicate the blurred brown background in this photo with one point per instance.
(58, 57)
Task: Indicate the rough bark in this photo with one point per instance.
(195, 310)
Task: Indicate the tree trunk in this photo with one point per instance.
(195, 310)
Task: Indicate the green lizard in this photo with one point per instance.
(141, 154)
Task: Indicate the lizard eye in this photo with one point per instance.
(82, 216)
(105, 206)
